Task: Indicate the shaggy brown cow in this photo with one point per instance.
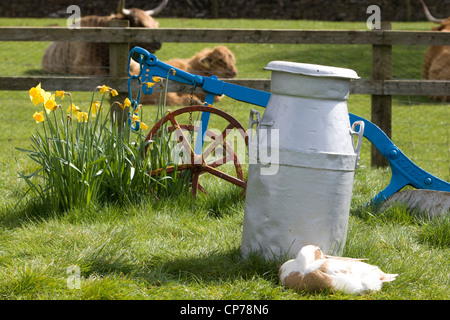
(437, 58)
(92, 58)
(219, 61)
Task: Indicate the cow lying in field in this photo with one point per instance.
(219, 61)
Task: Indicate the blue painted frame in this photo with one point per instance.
(404, 171)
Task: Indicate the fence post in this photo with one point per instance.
(118, 60)
(215, 9)
(381, 104)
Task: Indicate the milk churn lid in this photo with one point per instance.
(311, 70)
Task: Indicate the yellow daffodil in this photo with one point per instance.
(114, 92)
(143, 126)
(95, 108)
(173, 71)
(73, 109)
(104, 88)
(50, 104)
(149, 84)
(60, 94)
(35, 94)
(82, 117)
(38, 95)
(135, 118)
(126, 103)
(34, 90)
(38, 116)
(156, 79)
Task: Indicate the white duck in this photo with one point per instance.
(312, 270)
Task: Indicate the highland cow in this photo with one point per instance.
(219, 61)
(92, 58)
(437, 58)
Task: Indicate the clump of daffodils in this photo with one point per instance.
(83, 156)
(39, 95)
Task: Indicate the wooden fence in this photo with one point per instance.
(380, 86)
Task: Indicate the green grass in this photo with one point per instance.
(182, 248)
(187, 249)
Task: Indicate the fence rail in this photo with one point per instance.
(380, 86)
(126, 35)
(362, 86)
(280, 36)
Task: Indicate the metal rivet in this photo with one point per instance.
(393, 154)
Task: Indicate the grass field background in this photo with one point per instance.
(181, 248)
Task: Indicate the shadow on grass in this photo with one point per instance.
(211, 268)
(15, 215)
(110, 246)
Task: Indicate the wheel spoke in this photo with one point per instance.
(170, 169)
(185, 142)
(217, 140)
(194, 184)
(197, 164)
(225, 176)
(203, 190)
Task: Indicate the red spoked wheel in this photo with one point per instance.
(221, 146)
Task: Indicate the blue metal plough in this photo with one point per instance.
(404, 171)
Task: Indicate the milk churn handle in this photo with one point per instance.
(251, 123)
(360, 135)
(252, 120)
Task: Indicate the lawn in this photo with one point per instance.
(185, 248)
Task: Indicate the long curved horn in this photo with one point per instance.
(121, 8)
(428, 14)
(158, 9)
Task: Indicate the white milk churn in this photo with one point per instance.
(302, 165)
